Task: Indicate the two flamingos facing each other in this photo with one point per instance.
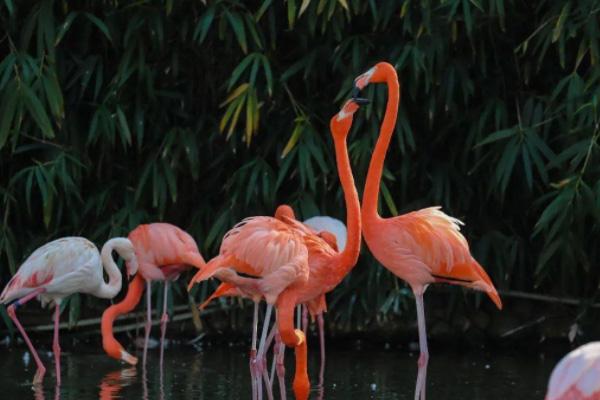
(311, 268)
(421, 247)
(161, 252)
(58, 269)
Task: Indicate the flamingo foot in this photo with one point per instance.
(39, 375)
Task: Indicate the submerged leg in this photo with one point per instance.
(253, 352)
(321, 325)
(56, 344)
(424, 356)
(41, 370)
(261, 354)
(148, 318)
(163, 322)
(280, 367)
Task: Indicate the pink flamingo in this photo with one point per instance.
(59, 269)
(421, 247)
(577, 375)
(162, 251)
(276, 259)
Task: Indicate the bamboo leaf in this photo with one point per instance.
(35, 108)
(99, 24)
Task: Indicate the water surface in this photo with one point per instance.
(222, 373)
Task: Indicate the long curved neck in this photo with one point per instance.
(371, 193)
(350, 253)
(113, 287)
(131, 299)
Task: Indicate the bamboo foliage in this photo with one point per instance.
(201, 113)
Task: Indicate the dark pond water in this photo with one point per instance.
(222, 373)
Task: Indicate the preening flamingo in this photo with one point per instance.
(276, 258)
(162, 251)
(421, 247)
(59, 269)
(577, 375)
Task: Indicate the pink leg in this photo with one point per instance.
(163, 322)
(41, 370)
(304, 318)
(253, 352)
(148, 318)
(260, 358)
(56, 344)
(424, 356)
(321, 325)
(280, 367)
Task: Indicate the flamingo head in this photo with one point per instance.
(125, 249)
(116, 351)
(377, 74)
(341, 122)
(284, 211)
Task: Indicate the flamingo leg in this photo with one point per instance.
(304, 318)
(56, 344)
(260, 358)
(321, 325)
(163, 322)
(148, 318)
(265, 374)
(253, 352)
(41, 370)
(424, 356)
(280, 367)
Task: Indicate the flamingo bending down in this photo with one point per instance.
(421, 247)
(577, 375)
(162, 251)
(59, 269)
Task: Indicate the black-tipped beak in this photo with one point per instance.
(361, 101)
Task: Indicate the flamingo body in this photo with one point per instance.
(577, 375)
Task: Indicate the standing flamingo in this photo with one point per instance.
(276, 258)
(577, 375)
(162, 251)
(59, 269)
(421, 247)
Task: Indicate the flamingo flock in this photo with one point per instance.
(288, 264)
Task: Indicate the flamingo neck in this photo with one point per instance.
(349, 255)
(113, 287)
(131, 299)
(371, 193)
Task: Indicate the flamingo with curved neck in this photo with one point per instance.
(59, 269)
(423, 246)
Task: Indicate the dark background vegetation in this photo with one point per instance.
(116, 113)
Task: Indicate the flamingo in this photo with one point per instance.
(576, 376)
(421, 247)
(162, 251)
(58, 269)
(276, 258)
(327, 266)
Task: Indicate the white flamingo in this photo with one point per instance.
(58, 269)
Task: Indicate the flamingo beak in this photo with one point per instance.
(128, 358)
(361, 101)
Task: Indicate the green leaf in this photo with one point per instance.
(101, 25)
(64, 27)
(556, 33)
(498, 135)
(7, 114)
(125, 132)
(35, 108)
(204, 25)
(238, 28)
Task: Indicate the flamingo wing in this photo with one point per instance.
(577, 372)
(426, 246)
